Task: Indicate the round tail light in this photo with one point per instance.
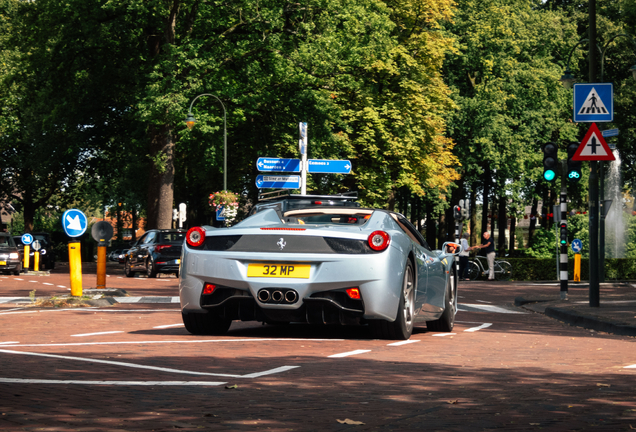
(195, 236)
(379, 240)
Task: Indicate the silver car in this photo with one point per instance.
(321, 260)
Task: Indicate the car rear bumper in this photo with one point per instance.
(378, 276)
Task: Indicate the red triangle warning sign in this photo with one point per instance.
(593, 147)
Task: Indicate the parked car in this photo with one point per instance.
(321, 260)
(10, 255)
(157, 251)
(114, 255)
(121, 258)
(47, 255)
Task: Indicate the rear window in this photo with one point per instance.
(6, 241)
(341, 216)
(172, 237)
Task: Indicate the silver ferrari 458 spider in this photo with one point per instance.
(320, 260)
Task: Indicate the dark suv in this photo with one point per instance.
(157, 251)
(10, 255)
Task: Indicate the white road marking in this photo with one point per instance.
(486, 308)
(474, 329)
(97, 334)
(469, 322)
(61, 286)
(17, 279)
(630, 367)
(46, 283)
(34, 281)
(444, 334)
(156, 368)
(350, 353)
(179, 342)
(87, 309)
(169, 325)
(403, 342)
(9, 342)
(111, 383)
(147, 299)
(483, 301)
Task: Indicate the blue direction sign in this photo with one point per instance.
(278, 182)
(576, 245)
(609, 133)
(26, 239)
(278, 164)
(593, 103)
(74, 222)
(328, 166)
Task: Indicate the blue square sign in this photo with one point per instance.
(593, 103)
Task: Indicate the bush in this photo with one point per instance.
(533, 269)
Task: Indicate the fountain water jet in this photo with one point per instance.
(614, 221)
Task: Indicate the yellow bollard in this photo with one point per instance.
(75, 267)
(36, 261)
(27, 251)
(101, 267)
(577, 267)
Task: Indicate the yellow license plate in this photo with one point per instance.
(279, 270)
(3, 263)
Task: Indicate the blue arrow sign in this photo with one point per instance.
(27, 239)
(278, 182)
(74, 222)
(329, 166)
(593, 103)
(576, 245)
(278, 164)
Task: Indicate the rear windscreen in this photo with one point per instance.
(330, 216)
(172, 237)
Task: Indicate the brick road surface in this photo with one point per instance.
(504, 368)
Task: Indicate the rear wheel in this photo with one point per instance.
(127, 269)
(205, 324)
(402, 327)
(446, 322)
(473, 270)
(506, 271)
(151, 270)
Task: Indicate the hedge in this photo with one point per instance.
(529, 269)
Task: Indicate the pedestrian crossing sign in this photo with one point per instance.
(593, 102)
(593, 147)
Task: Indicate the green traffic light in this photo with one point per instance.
(563, 242)
(549, 175)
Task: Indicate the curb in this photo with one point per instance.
(588, 322)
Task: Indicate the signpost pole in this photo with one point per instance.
(36, 261)
(75, 267)
(303, 157)
(27, 252)
(593, 184)
(101, 267)
(601, 228)
(563, 262)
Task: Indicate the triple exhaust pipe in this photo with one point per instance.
(277, 295)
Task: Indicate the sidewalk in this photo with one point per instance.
(616, 313)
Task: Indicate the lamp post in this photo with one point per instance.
(190, 121)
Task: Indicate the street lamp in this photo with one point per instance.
(632, 69)
(190, 121)
(567, 79)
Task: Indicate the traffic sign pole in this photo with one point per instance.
(75, 267)
(593, 212)
(303, 144)
(563, 262)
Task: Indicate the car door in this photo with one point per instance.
(145, 247)
(133, 252)
(421, 253)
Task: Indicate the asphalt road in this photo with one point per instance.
(133, 367)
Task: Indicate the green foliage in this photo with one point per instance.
(544, 244)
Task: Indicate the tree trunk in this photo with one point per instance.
(441, 230)
(533, 221)
(28, 209)
(502, 224)
(161, 184)
(430, 225)
(484, 217)
(473, 217)
(513, 227)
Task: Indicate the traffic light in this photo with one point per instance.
(457, 212)
(574, 167)
(563, 241)
(550, 161)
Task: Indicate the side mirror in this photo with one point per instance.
(452, 248)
